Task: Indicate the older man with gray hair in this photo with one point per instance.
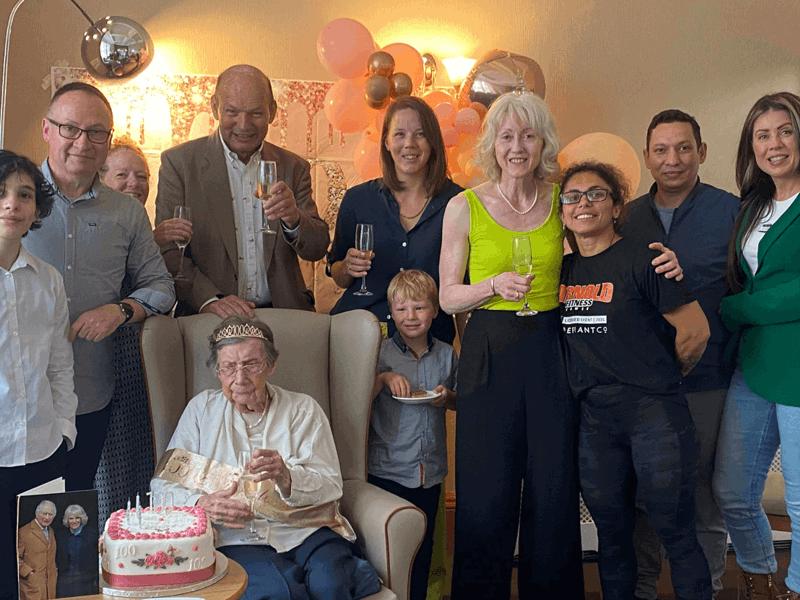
(36, 550)
(231, 265)
(94, 238)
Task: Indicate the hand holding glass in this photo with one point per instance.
(185, 213)
(252, 489)
(522, 260)
(267, 177)
(365, 242)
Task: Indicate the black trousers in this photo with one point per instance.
(651, 442)
(427, 500)
(84, 458)
(13, 481)
(516, 420)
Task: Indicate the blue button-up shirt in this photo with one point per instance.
(94, 241)
(408, 442)
(395, 248)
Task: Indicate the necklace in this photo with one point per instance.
(263, 414)
(416, 215)
(511, 206)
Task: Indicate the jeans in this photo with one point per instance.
(706, 410)
(752, 428)
(649, 442)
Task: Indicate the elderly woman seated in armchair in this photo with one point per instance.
(297, 545)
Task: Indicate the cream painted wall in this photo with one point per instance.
(609, 65)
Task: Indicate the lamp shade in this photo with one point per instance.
(116, 49)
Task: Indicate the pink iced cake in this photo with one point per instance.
(173, 546)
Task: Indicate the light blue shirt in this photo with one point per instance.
(94, 241)
(247, 220)
(36, 390)
(408, 442)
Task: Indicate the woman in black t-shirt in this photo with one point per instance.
(630, 337)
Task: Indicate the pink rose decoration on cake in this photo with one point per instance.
(194, 548)
(121, 566)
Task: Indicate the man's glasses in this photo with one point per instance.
(596, 195)
(71, 132)
(251, 369)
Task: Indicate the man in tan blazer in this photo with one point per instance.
(36, 548)
(231, 267)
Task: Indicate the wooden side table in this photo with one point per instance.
(230, 587)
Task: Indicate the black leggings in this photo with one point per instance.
(515, 420)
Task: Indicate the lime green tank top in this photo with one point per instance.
(490, 254)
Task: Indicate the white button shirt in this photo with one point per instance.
(36, 387)
(247, 213)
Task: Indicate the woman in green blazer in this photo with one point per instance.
(763, 405)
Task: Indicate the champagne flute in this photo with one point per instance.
(182, 212)
(522, 260)
(365, 242)
(252, 490)
(267, 177)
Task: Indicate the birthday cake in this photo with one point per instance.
(167, 546)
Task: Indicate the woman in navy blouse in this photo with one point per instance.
(405, 208)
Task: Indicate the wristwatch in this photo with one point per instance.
(127, 310)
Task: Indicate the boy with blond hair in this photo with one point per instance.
(412, 392)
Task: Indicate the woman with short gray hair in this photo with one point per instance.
(76, 554)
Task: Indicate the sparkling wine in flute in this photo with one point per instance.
(522, 260)
(252, 489)
(524, 270)
(182, 212)
(365, 241)
(267, 177)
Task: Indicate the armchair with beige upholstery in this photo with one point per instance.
(330, 358)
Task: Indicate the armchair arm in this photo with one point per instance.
(389, 529)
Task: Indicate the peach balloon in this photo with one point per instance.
(480, 109)
(380, 116)
(607, 148)
(467, 121)
(436, 97)
(367, 158)
(467, 151)
(407, 60)
(452, 159)
(345, 107)
(445, 114)
(450, 136)
(344, 47)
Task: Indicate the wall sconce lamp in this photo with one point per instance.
(113, 49)
(458, 68)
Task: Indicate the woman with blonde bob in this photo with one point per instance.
(516, 419)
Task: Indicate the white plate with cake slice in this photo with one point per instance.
(420, 397)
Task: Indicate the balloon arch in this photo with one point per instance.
(370, 78)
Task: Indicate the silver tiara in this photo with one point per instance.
(236, 331)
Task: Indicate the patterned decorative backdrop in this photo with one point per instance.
(161, 111)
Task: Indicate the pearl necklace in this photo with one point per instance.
(263, 414)
(511, 206)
